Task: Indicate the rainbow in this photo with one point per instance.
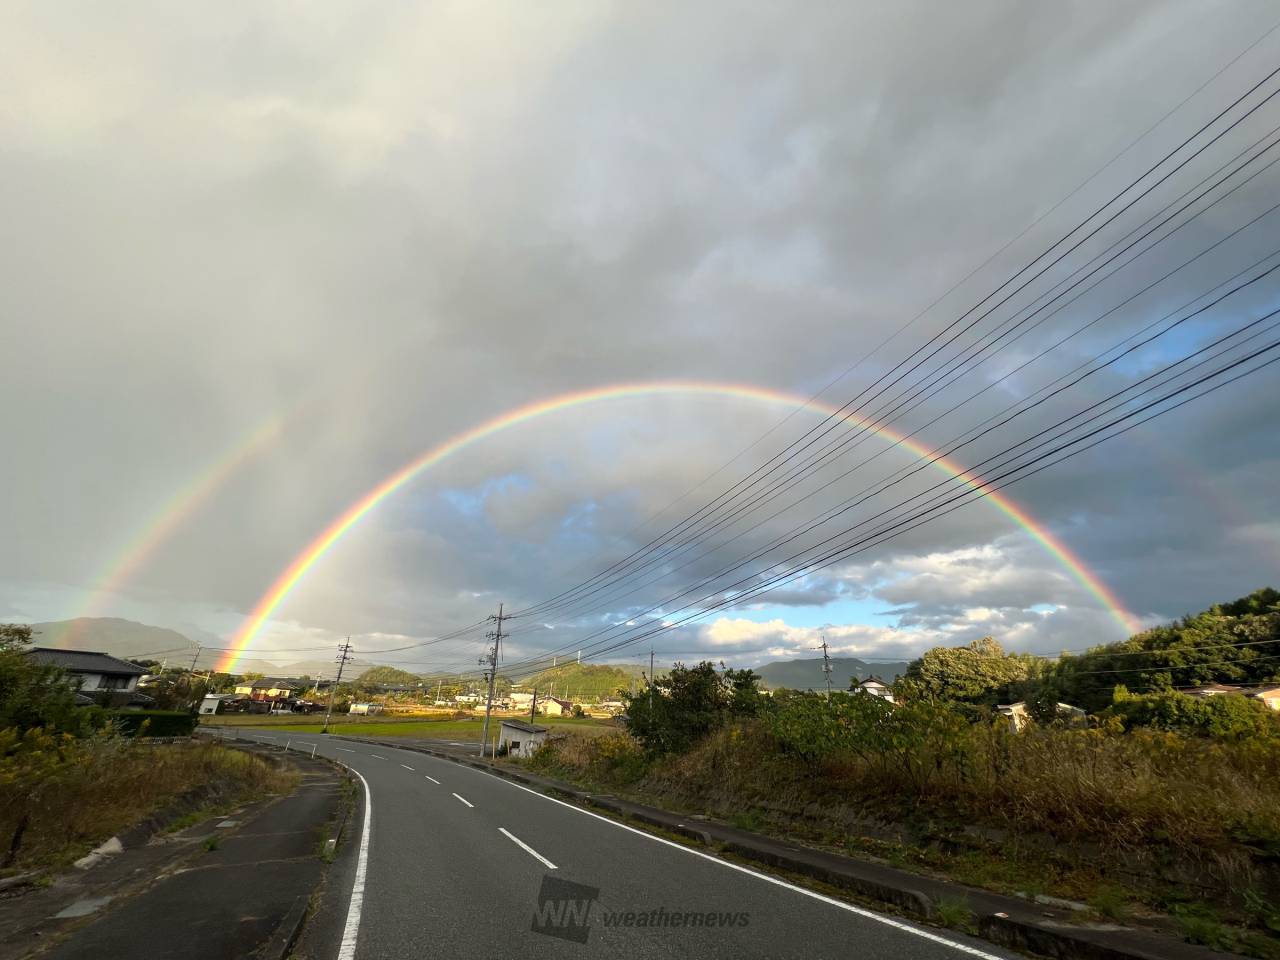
(164, 522)
(328, 537)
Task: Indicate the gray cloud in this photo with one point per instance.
(389, 228)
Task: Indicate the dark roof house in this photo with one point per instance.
(98, 676)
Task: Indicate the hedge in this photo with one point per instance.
(164, 723)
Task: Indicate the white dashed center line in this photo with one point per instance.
(433, 780)
(465, 800)
(378, 755)
(525, 847)
(406, 766)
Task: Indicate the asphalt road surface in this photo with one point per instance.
(453, 861)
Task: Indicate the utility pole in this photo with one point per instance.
(344, 654)
(826, 664)
(533, 709)
(651, 683)
(496, 637)
(195, 658)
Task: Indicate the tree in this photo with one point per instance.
(980, 672)
(688, 703)
(1236, 643)
(34, 694)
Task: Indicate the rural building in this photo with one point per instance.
(519, 738)
(214, 703)
(521, 700)
(876, 687)
(365, 708)
(1270, 696)
(268, 689)
(97, 676)
(555, 708)
(1019, 716)
(1212, 690)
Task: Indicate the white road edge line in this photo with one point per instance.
(465, 800)
(433, 780)
(776, 881)
(526, 848)
(378, 755)
(406, 766)
(347, 949)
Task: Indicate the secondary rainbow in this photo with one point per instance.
(328, 537)
(163, 523)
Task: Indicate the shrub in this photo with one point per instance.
(1223, 716)
(688, 703)
(153, 723)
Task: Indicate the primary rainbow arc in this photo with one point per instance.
(327, 538)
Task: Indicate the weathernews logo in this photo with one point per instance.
(565, 910)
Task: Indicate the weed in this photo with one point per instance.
(955, 913)
(212, 843)
(1110, 902)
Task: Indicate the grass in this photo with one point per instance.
(955, 913)
(60, 797)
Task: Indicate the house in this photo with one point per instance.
(215, 703)
(1270, 696)
(521, 701)
(1019, 716)
(97, 676)
(520, 739)
(365, 708)
(268, 689)
(612, 706)
(1212, 690)
(556, 708)
(467, 698)
(876, 687)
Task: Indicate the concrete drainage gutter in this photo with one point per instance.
(1007, 921)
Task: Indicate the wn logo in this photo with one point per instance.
(564, 909)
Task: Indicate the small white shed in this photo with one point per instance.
(519, 738)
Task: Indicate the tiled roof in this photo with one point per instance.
(85, 661)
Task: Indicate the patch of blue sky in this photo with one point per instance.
(846, 610)
(470, 500)
(1189, 336)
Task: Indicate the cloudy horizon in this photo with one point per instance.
(260, 260)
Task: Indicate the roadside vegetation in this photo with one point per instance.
(1160, 807)
(73, 776)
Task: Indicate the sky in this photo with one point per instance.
(258, 257)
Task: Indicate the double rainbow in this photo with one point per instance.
(327, 538)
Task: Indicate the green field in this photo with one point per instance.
(425, 729)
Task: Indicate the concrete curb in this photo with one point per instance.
(1007, 921)
(286, 934)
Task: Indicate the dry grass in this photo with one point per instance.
(60, 797)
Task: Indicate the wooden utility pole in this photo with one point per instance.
(533, 708)
(344, 654)
(496, 637)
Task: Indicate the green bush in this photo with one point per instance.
(1223, 716)
(689, 703)
(153, 723)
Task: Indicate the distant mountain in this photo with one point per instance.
(808, 675)
(315, 669)
(577, 680)
(121, 638)
(133, 640)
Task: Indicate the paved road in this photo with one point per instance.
(460, 862)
